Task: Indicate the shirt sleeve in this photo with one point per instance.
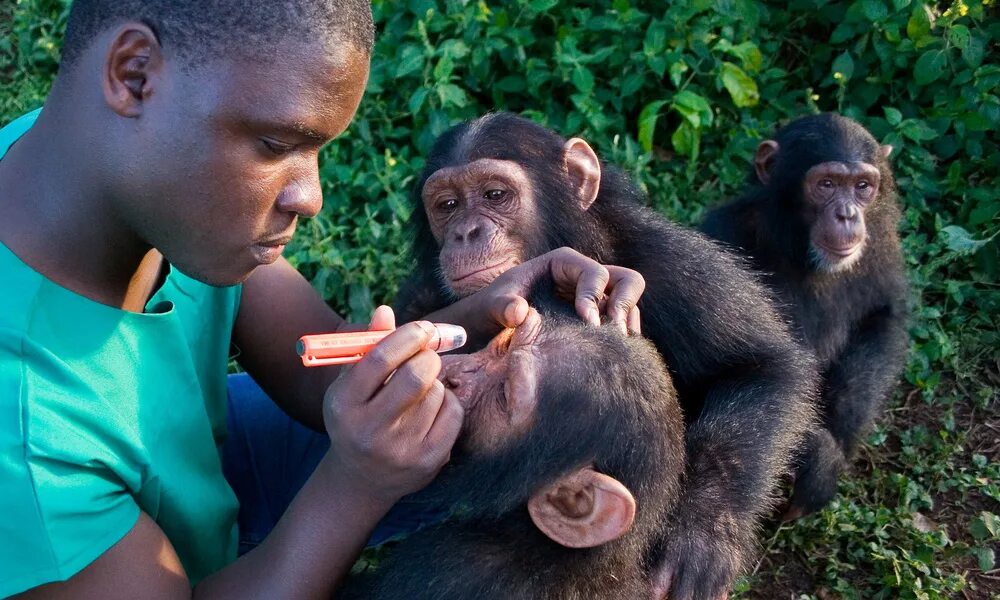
(63, 498)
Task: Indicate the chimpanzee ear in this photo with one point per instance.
(764, 160)
(584, 169)
(886, 150)
(583, 509)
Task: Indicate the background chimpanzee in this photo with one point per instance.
(499, 190)
(819, 221)
(570, 454)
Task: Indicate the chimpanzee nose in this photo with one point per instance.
(846, 213)
(467, 232)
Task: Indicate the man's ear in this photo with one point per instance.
(584, 169)
(134, 55)
(886, 150)
(763, 160)
(583, 509)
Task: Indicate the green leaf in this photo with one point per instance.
(985, 557)
(677, 70)
(974, 52)
(417, 100)
(583, 79)
(960, 241)
(893, 116)
(694, 108)
(452, 94)
(959, 36)
(919, 25)
(740, 86)
(647, 123)
(929, 67)
(844, 65)
(875, 10)
(685, 140)
(411, 59)
(899, 5)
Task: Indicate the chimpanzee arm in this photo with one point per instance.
(858, 383)
(747, 389)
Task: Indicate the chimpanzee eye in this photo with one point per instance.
(495, 194)
(862, 185)
(448, 204)
(826, 183)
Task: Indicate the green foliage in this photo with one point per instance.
(679, 94)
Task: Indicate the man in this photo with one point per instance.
(172, 159)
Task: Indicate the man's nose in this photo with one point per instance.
(303, 195)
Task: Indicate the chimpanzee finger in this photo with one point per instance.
(591, 278)
(626, 286)
(508, 310)
(634, 321)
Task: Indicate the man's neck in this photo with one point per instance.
(56, 216)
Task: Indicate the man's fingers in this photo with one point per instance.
(447, 425)
(371, 372)
(383, 319)
(409, 384)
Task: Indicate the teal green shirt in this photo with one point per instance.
(105, 413)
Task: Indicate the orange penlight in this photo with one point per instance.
(344, 348)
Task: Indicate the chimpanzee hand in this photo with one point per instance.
(701, 559)
(391, 422)
(594, 289)
(815, 475)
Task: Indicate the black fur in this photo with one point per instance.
(855, 321)
(745, 387)
(605, 401)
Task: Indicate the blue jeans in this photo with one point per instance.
(268, 456)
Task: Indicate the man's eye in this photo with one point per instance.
(495, 194)
(448, 204)
(275, 147)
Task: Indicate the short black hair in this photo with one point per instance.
(197, 29)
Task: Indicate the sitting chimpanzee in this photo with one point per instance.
(819, 222)
(570, 454)
(499, 190)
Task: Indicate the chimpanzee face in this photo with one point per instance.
(482, 215)
(498, 386)
(836, 196)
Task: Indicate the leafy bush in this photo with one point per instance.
(679, 94)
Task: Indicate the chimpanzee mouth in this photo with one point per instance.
(840, 252)
(487, 273)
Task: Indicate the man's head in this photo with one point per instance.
(578, 424)
(202, 121)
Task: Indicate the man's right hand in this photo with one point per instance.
(391, 423)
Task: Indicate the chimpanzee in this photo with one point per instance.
(500, 189)
(570, 454)
(819, 222)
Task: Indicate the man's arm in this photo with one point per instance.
(278, 306)
(388, 437)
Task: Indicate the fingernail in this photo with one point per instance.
(593, 316)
